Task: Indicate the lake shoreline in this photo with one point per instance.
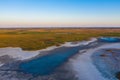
(5, 51)
(72, 67)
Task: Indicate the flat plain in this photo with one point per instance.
(39, 38)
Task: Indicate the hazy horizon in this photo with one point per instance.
(59, 13)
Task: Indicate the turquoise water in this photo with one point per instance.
(48, 63)
(109, 39)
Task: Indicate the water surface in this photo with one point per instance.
(109, 39)
(47, 64)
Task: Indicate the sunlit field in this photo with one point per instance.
(34, 39)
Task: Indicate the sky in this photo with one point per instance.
(59, 13)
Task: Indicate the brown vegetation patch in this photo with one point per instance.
(34, 39)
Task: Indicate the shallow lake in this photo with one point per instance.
(109, 39)
(47, 64)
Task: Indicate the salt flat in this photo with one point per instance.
(80, 66)
(84, 67)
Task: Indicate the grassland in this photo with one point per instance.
(34, 39)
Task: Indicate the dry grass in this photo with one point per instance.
(33, 39)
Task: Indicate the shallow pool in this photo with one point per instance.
(109, 39)
(48, 63)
